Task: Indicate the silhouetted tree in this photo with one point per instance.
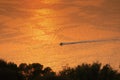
(9, 71)
(24, 70)
(90, 72)
(3, 64)
(36, 71)
(48, 74)
(107, 73)
(95, 71)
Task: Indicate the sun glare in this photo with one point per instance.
(50, 1)
(39, 35)
(44, 26)
(44, 11)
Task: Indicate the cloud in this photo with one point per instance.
(106, 16)
(18, 8)
(18, 16)
(102, 14)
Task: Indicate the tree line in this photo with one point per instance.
(36, 71)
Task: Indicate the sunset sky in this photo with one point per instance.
(31, 30)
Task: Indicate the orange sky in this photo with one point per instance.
(30, 31)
